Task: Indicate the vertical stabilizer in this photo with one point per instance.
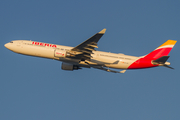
(162, 50)
(158, 57)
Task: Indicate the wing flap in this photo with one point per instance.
(87, 47)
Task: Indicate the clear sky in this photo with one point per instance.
(37, 89)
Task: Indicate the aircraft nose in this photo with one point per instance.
(6, 45)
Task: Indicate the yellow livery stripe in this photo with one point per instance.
(168, 42)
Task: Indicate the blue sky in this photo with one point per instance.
(35, 88)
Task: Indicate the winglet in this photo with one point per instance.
(102, 31)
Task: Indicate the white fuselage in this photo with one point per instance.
(46, 50)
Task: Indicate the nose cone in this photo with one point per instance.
(7, 45)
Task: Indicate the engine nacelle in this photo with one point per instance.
(60, 53)
(71, 67)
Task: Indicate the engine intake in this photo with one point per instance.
(70, 67)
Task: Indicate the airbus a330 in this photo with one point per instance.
(84, 55)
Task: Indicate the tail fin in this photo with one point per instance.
(162, 50)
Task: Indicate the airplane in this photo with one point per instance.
(84, 55)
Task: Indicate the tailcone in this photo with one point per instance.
(167, 63)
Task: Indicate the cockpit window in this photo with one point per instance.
(11, 42)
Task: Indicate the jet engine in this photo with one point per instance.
(70, 67)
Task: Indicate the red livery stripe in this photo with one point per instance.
(158, 53)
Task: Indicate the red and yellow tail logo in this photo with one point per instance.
(146, 61)
(168, 43)
(162, 50)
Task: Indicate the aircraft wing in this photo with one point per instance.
(84, 50)
(108, 70)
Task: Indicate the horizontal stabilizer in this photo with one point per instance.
(161, 60)
(168, 66)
